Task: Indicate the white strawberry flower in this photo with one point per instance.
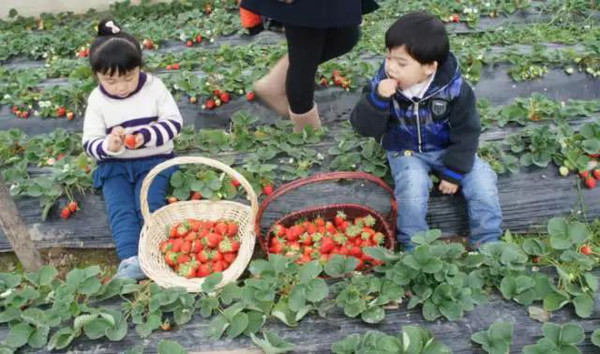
(7, 96)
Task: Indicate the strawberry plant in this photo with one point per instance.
(496, 339)
(412, 339)
(558, 338)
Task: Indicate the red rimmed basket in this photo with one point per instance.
(385, 224)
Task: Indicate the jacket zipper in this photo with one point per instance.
(416, 111)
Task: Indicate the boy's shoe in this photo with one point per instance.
(130, 268)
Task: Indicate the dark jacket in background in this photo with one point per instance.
(310, 13)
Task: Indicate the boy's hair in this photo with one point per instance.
(423, 35)
(114, 51)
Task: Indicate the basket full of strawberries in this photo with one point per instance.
(319, 232)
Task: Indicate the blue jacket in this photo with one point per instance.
(444, 119)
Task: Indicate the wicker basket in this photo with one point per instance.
(384, 224)
(153, 233)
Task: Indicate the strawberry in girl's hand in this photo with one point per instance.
(130, 141)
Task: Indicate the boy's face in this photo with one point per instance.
(400, 66)
(118, 84)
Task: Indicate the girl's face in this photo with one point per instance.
(118, 84)
(403, 68)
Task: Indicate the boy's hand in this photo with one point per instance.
(447, 187)
(387, 87)
(115, 143)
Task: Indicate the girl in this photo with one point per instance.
(129, 126)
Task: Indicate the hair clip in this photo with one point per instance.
(114, 28)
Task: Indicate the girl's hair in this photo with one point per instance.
(114, 51)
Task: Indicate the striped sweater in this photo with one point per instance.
(150, 110)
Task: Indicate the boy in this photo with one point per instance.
(424, 115)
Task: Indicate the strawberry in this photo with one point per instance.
(15, 109)
(584, 174)
(216, 93)
(186, 247)
(175, 66)
(177, 245)
(225, 246)
(217, 266)
(202, 257)
(378, 238)
(327, 245)
(232, 229)
(235, 245)
(166, 246)
(183, 258)
(225, 97)
(339, 218)
(278, 230)
(65, 213)
(198, 38)
(196, 196)
(276, 248)
(597, 174)
(171, 257)
(268, 189)
(191, 236)
(217, 256)
(169, 67)
(61, 111)
(166, 326)
(290, 235)
(187, 270)
(130, 141)
(330, 228)
(148, 43)
(197, 246)
(235, 183)
(210, 103)
(73, 207)
(183, 229)
(323, 82)
(213, 240)
(535, 259)
(250, 96)
(221, 228)
(193, 100)
(586, 250)
(590, 182)
(229, 257)
(70, 115)
(25, 115)
(320, 221)
(307, 240)
(455, 18)
(203, 271)
(189, 43)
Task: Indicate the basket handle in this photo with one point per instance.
(322, 177)
(195, 160)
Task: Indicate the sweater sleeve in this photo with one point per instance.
(465, 128)
(94, 139)
(372, 112)
(169, 122)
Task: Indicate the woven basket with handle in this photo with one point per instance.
(385, 224)
(155, 225)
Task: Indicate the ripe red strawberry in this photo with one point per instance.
(197, 246)
(455, 18)
(320, 221)
(221, 228)
(250, 96)
(213, 240)
(186, 247)
(171, 258)
(327, 245)
(210, 103)
(183, 258)
(203, 271)
(217, 266)
(232, 229)
(189, 43)
(198, 38)
(217, 256)
(196, 196)
(175, 66)
(278, 230)
(169, 67)
(225, 246)
(183, 229)
(584, 174)
(590, 182)
(203, 257)
(276, 248)
(597, 173)
(268, 189)
(586, 250)
(25, 114)
(65, 213)
(339, 218)
(304, 259)
(61, 111)
(187, 270)
(130, 141)
(225, 97)
(166, 246)
(235, 183)
(177, 243)
(229, 257)
(235, 245)
(73, 207)
(148, 43)
(323, 82)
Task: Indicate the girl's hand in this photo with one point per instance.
(115, 143)
(447, 187)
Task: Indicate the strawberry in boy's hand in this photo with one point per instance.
(130, 141)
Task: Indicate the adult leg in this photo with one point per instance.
(339, 41)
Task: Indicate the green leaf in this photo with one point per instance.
(347, 345)
(571, 334)
(238, 325)
(255, 321)
(96, 328)
(61, 339)
(584, 305)
(90, 286)
(578, 232)
(508, 287)
(555, 301)
(217, 327)
(34, 316)
(19, 335)
(309, 271)
(316, 290)
(39, 337)
(47, 275)
(430, 311)
(381, 253)
(272, 344)
(211, 282)
(297, 298)
(552, 331)
(339, 265)
(373, 314)
(592, 281)
(118, 332)
(596, 337)
(166, 346)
